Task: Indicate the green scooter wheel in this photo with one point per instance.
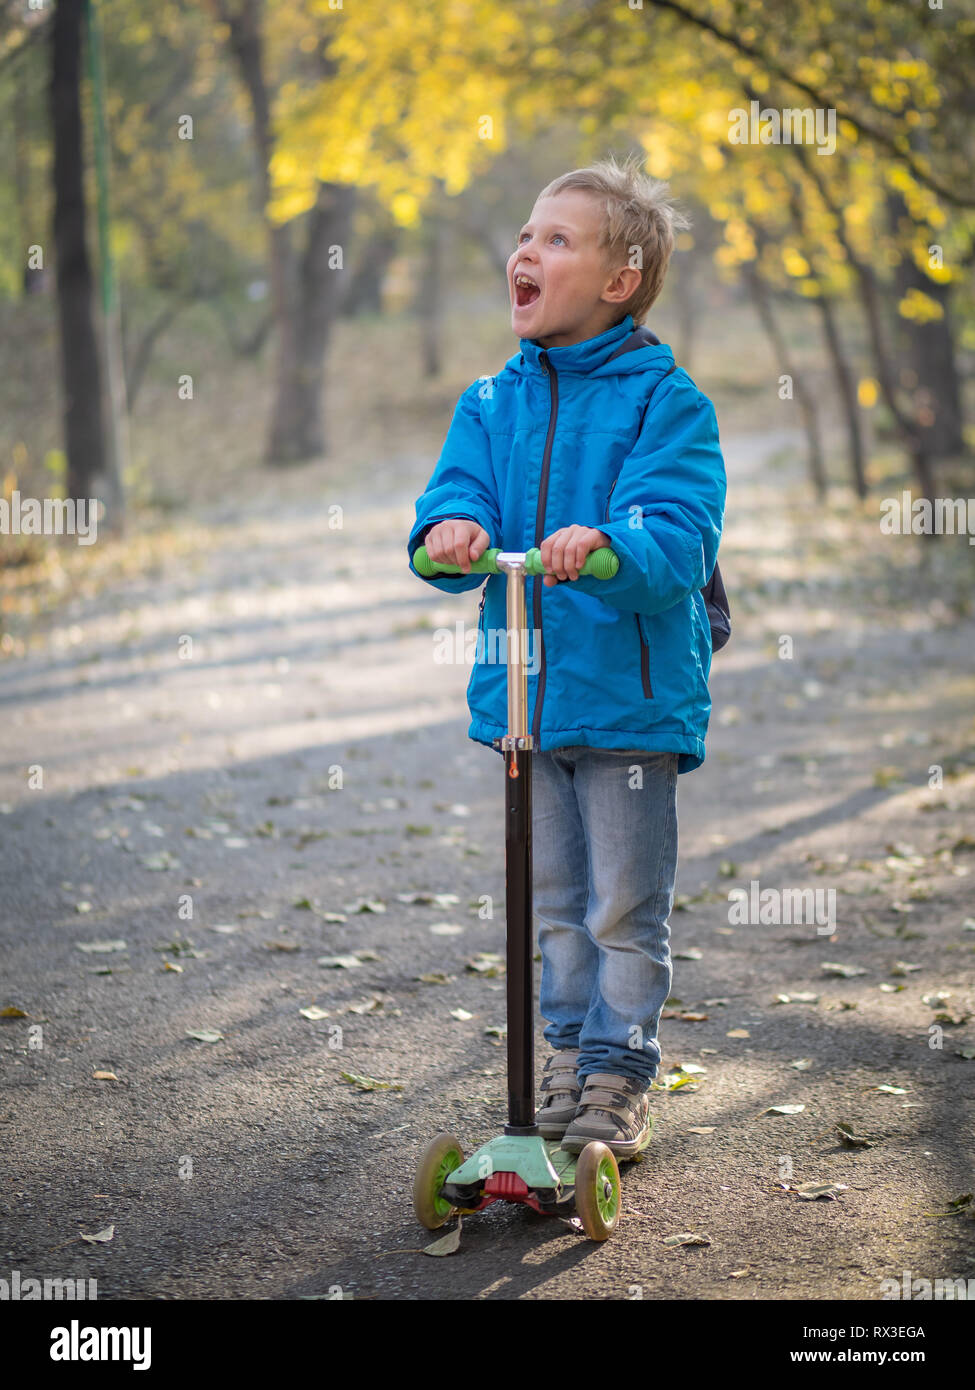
(440, 1158)
(597, 1185)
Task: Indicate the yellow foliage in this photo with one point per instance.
(919, 307)
(868, 392)
(405, 208)
(795, 263)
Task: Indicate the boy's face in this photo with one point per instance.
(578, 297)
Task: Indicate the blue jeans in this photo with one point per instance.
(604, 863)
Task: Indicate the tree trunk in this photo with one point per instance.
(80, 369)
(869, 291)
(910, 432)
(847, 390)
(807, 408)
(33, 280)
(312, 295)
(431, 290)
(926, 348)
(363, 294)
(304, 293)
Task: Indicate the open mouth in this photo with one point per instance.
(526, 291)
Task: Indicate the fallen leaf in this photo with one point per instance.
(339, 962)
(487, 963)
(701, 1129)
(101, 947)
(461, 1014)
(282, 946)
(104, 1076)
(811, 1190)
(889, 1090)
(851, 1140)
(690, 953)
(161, 861)
(207, 1035)
(171, 965)
(448, 1244)
(366, 1006)
(314, 1012)
(678, 1078)
(901, 967)
(738, 1033)
(437, 899)
(832, 967)
(100, 1237)
(11, 1011)
(435, 977)
(687, 1238)
(783, 1110)
(951, 1020)
(803, 1064)
(446, 929)
(369, 1083)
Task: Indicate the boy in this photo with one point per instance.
(590, 436)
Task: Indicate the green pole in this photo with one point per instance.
(116, 411)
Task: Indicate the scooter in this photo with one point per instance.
(519, 1165)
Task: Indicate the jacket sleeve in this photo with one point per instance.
(462, 485)
(667, 507)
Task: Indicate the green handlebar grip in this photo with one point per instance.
(600, 564)
(429, 568)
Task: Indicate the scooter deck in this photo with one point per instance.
(520, 1168)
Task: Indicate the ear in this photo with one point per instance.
(623, 285)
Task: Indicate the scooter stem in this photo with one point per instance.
(517, 749)
(516, 746)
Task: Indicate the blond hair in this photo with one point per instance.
(638, 214)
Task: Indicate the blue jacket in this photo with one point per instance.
(564, 436)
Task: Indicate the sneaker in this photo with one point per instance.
(613, 1109)
(562, 1092)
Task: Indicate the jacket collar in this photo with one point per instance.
(580, 358)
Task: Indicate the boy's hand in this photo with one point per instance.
(456, 542)
(564, 552)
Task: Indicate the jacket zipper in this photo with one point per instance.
(481, 639)
(644, 647)
(539, 537)
(644, 660)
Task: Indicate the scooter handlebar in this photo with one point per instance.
(600, 564)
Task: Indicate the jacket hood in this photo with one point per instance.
(622, 350)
